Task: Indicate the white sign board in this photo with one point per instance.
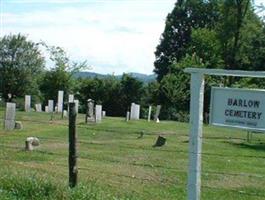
(238, 108)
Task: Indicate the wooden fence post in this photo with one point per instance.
(73, 170)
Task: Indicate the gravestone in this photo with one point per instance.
(98, 113)
(76, 105)
(70, 98)
(46, 108)
(135, 112)
(158, 108)
(60, 101)
(18, 125)
(90, 110)
(103, 113)
(160, 141)
(31, 142)
(27, 103)
(65, 113)
(149, 113)
(10, 116)
(50, 105)
(38, 107)
(127, 116)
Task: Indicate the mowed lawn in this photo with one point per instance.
(113, 163)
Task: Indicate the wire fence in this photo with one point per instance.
(207, 140)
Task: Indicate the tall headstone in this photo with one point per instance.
(70, 98)
(27, 103)
(76, 105)
(10, 116)
(50, 105)
(90, 110)
(135, 111)
(158, 108)
(132, 110)
(149, 113)
(103, 113)
(60, 101)
(98, 113)
(38, 107)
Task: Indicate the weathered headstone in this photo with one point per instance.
(60, 101)
(103, 113)
(65, 113)
(46, 108)
(135, 112)
(158, 108)
(70, 98)
(160, 141)
(149, 113)
(76, 105)
(38, 107)
(27, 103)
(10, 116)
(31, 142)
(98, 113)
(50, 105)
(18, 125)
(90, 110)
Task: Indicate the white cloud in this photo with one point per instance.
(114, 37)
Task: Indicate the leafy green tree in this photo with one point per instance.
(175, 40)
(21, 65)
(131, 91)
(233, 15)
(227, 35)
(61, 75)
(105, 91)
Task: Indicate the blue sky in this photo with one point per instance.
(112, 35)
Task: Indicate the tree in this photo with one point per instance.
(21, 64)
(229, 29)
(105, 91)
(175, 40)
(211, 34)
(131, 91)
(60, 76)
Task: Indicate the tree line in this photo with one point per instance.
(223, 34)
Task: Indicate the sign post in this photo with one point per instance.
(196, 119)
(195, 143)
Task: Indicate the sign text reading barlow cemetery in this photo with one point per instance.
(240, 108)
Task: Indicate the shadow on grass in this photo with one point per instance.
(258, 147)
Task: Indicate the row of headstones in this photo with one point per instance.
(134, 113)
(50, 107)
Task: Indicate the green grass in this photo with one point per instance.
(114, 164)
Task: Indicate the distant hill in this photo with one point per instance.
(141, 77)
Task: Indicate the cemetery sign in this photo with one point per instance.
(238, 108)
